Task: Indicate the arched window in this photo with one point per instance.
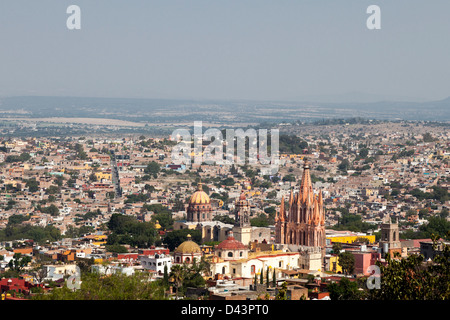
(187, 260)
(230, 254)
(241, 254)
(252, 269)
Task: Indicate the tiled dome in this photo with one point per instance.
(199, 197)
(188, 246)
(231, 244)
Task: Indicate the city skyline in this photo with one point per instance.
(290, 50)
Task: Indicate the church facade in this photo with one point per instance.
(303, 222)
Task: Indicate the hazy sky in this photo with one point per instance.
(229, 49)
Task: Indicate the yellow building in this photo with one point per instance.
(103, 175)
(334, 265)
(97, 240)
(85, 167)
(347, 236)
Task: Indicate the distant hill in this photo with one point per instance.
(218, 111)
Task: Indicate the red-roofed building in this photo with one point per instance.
(154, 250)
(231, 249)
(17, 285)
(127, 257)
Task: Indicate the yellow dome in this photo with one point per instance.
(188, 246)
(199, 196)
(157, 225)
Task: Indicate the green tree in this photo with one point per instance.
(117, 286)
(345, 290)
(436, 226)
(52, 210)
(289, 178)
(274, 278)
(166, 277)
(17, 219)
(177, 274)
(153, 168)
(344, 165)
(194, 274)
(116, 248)
(18, 262)
(174, 238)
(37, 233)
(224, 218)
(364, 152)
(128, 230)
(347, 262)
(282, 292)
(260, 221)
(228, 182)
(337, 247)
(427, 137)
(291, 144)
(412, 278)
(52, 190)
(32, 185)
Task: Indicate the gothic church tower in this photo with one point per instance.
(304, 223)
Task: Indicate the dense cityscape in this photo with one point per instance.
(347, 199)
(224, 158)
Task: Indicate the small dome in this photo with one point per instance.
(188, 246)
(231, 244)
(199, 196)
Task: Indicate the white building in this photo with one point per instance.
(112, 269)
(57, 272)
(156, 263)
(234, 260)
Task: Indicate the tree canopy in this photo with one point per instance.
(128, 230)
(174, 238)
(117, 286)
